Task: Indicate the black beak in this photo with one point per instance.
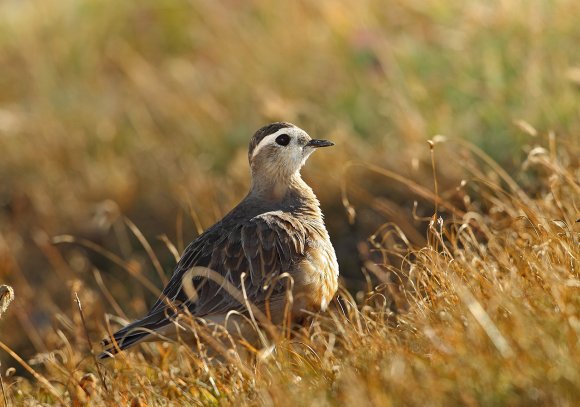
(319, 143)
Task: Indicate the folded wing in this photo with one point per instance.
(254, 253)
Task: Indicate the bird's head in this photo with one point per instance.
(278, 151)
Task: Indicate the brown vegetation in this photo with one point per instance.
(123, 132)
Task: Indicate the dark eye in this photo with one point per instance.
(283, 139)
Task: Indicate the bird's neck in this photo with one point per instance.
(292, 188)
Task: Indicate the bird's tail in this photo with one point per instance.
(134, 333)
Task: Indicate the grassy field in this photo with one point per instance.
(451, 196)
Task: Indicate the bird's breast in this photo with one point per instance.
(317, 276)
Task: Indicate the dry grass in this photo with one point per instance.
(487, 315)
(113, 111)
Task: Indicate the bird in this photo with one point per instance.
(275, 234)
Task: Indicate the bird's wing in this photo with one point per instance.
(257, 251)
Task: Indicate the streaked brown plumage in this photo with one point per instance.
(277, 230)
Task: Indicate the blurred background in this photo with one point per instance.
(124, 127)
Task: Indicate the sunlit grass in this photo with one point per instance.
(485, 313)
(116, 110)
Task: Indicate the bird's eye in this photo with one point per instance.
(283, 139)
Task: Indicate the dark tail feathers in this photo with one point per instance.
(132, 334)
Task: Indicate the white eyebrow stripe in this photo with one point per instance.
(268, 139)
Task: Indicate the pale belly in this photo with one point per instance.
(316, 278)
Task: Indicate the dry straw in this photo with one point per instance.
(6, 297)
